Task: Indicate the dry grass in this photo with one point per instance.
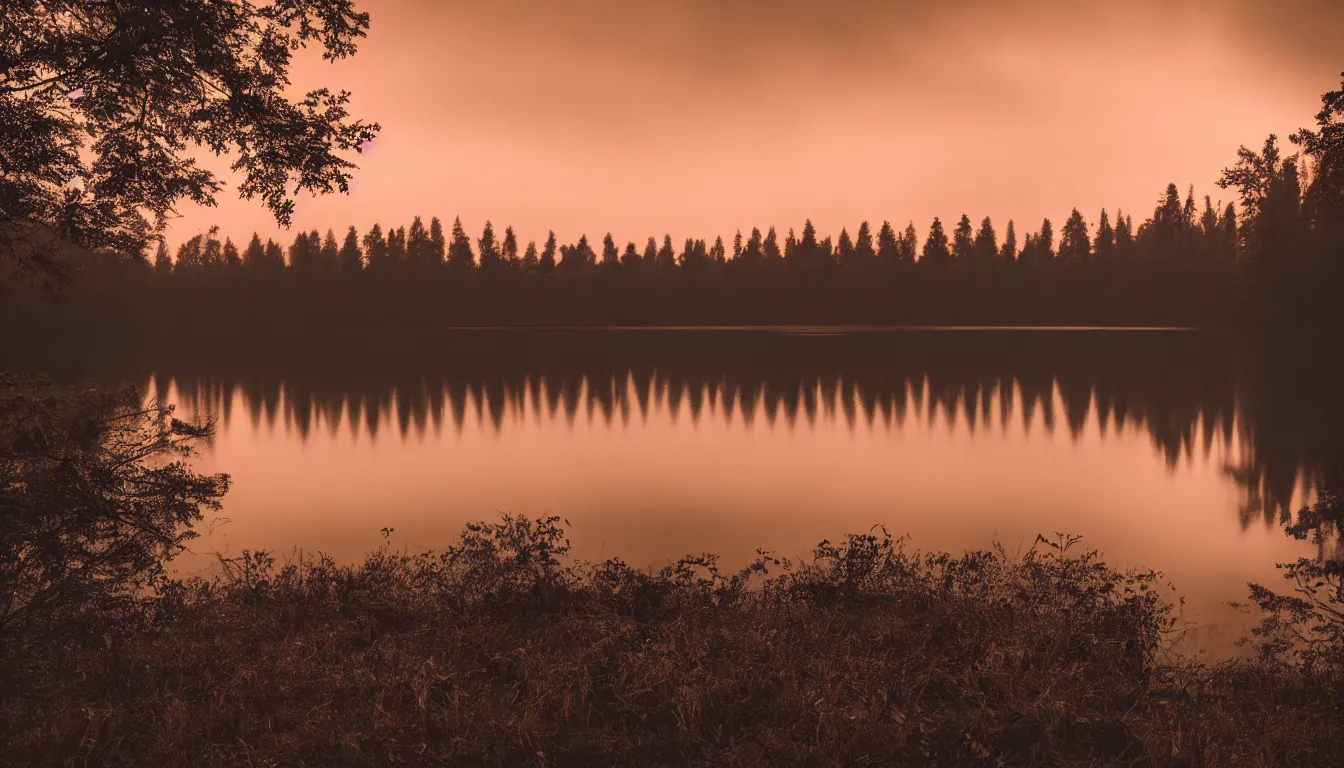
(497, 653)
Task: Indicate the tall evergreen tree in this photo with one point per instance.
(630, 257)
(396, 247)
(1009, 251)
(350, 257)
(863, 244)
(438, 245)
(737, 246)
(667, 258)
(488, 247)
(611, 258)
(986, 245)
(275, 255)
(936, 252)
(651, 251)
(1045, 241)
(330, 255)
(231, 258)
(909, 244)
(1074, 242)
(886, 244)
(546, 264)
(754, 252)
(717, 252)
(508, 249)
(1124, 236)
(530, 256)
(375, 248)
(255, 255)
(845, 251)
(417, 245)
(459, 249)
(1103, 245)
(963, 242)
(770, 247)
(163, 264)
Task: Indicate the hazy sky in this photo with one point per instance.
(700, 117)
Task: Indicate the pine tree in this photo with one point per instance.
(846, 248)
(667, 258)
(986, 245)
(717, 253)
(437, 245)
(331, 253)
(459, 250)
(754, 252)
(808, 250)
(417, 245)
(630, 257)
(963, 243)
(651, 251)
(396, 247)
(909, 245)
(508, 250)
(1103, 245)
(163, 264)
(275, 255)
(770, 247)
(1074, 243)
(255, 255)
(610, 256)
(375, 248)
(1124, 236)
(737, 245)
(1045, 241)
(936, 252)
(887, 245)
(350, 256)
(530, 256)
(863, 244)
(231, 257)
(547, 262)
(1009, 251)
(488, 247)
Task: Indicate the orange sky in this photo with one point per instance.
(699, 117)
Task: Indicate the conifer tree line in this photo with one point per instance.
(1275, 256)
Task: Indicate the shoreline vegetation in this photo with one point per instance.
(501, 650)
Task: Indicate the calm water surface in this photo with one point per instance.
(1157, 447)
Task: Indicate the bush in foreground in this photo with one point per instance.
(499, 652)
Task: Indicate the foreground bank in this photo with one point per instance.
(497, 652)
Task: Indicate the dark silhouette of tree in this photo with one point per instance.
(530, 256)
(163, 264)
(770, 251)
(418, 246)
(396, 247)
(986, 245)
(331, 253)
(887, 246)
(460, 256)
(863, 245)
(1324, 198)
(350, 257)
(611, 258)
(1103, 245)
(303, 253)
(845, 249)
(651, 251)
(231, 258)
(87, 161)
(737, 246)
(508, 249)
(547, 262)
(754, 252)
(667, 258)
(438, 246)
(1124, 237)
(488, 248)
(1009, 251)
(375, 248)
(1074, 242)
(275, 255)
(963, 247)
(630, 257)
(909, 244)
(936, 252)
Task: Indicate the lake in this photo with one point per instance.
(1165, 449)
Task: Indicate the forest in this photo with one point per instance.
(1273, 259)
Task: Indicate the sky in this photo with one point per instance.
(698, 118)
